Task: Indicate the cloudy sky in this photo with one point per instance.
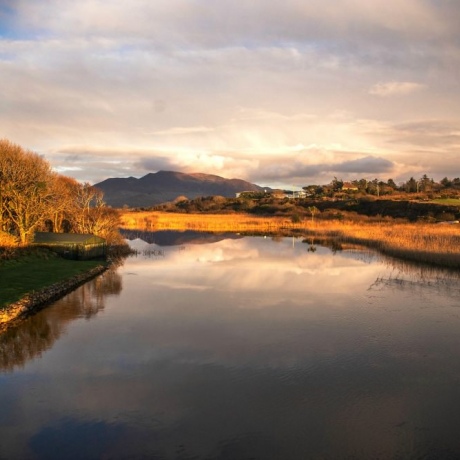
(278, 92)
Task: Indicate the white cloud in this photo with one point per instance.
(395, 88)
(189, 130)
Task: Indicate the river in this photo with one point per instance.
(229, 347)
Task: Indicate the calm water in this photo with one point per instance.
(238, 348)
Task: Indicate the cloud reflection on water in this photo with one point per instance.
(241, 348)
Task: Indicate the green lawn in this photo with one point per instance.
(448, 201)
(36, 271)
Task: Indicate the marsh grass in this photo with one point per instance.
(421, 242)
(426, 243)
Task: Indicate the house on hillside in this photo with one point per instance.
(76, 246)
(350, 187)
(296, 194)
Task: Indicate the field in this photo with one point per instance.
(448, 201)
(435, 244)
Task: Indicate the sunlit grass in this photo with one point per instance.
(428, 243)
(448, 201)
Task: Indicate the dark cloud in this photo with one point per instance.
(157, 163)
(374, 165)
(297, 173)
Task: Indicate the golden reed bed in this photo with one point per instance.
(429, 243)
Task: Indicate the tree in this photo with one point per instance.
(446, 183)
(337, 184)
(362, 185)
(64, 189)
(425, 183)
(25, 193)
(90, 214)
(411, 186)
(391, 183)
(32, 197)
(313, 191)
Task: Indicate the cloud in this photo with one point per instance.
(299, 172)
(395, 88)
(211, 24)
(438, 135)
(156, 163)
(177, 131)
(365, 165)
(239, 89)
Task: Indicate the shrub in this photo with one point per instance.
(295, 218)
(7, 240)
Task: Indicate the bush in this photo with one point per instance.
(295, 218)
(7, 240)
(445, 216)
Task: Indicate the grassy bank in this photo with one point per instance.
(33, 270)
(420, 242)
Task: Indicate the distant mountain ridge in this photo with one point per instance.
(163, 186)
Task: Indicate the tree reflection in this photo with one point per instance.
(29, 338)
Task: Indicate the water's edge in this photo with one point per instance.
(35, 301)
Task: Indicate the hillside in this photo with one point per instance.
(164, 186)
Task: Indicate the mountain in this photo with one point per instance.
(163, 186)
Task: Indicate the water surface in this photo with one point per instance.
(240, 348)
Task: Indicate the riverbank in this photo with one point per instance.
(32, 280)
(427, 243)
(35, 301)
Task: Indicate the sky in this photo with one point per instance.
(283, 93)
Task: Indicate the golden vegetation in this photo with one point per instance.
(201, 222)
(428, 243)
(34, 198)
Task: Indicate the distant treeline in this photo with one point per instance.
(412, 199)
(378, 187)
(354, 206)
(35, 198)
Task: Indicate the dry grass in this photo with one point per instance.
(427, 243)
(201, 222)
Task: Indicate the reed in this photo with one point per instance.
(427, 243)
(201, 222)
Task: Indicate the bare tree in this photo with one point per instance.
(90, 214)
(85, 199)
(25, 192)
(64, 190)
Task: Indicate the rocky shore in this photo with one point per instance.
(35, 301)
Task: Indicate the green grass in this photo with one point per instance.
(448, 201)
(36, 271)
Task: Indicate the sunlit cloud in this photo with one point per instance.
(394, 88)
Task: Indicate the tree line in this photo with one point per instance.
(33, 198)
(378, 187)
